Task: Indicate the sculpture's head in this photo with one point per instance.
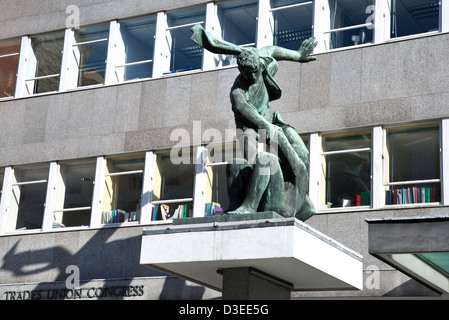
(249, 64)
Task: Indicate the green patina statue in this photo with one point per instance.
(263, 181)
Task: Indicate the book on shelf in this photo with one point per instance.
(411, 195)
(162, 212)
(115, 216)
(212, 208)
(363, 198)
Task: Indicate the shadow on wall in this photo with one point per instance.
(111, 253)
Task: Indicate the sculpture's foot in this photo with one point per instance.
(242, 210)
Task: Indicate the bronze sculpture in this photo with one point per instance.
(264, 181)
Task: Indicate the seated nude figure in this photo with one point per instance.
(264, 181)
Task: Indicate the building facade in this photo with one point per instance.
(113, 120)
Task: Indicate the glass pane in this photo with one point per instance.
(346, 13)
(26, 209)
(355, 140)
(185, 54)
(238, 21)
(174, 181)
(218, 202)
(413, 17)
(413, 154)
(8, 67)
(91, 57)
(346, 175)
(123, 192)
(47, 51)
(292, 25)
(77, 186)
(138, 40)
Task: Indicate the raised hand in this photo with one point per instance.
(306, 49)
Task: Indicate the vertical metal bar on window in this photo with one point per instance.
(444, 162)
(8, 179)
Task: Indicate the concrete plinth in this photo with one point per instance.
(247, 283)
(252, 259)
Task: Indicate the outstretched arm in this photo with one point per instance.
(302, 55)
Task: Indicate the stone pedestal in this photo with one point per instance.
(261, 256)
(247, 283)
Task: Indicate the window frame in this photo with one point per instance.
(440, 180)
(321, 205)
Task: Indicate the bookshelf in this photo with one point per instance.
(412, 165)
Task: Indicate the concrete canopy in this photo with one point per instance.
(418, 246)
(285, 249)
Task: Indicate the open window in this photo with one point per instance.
(135, 49)
(217, 197)
(74, 187)
(351, 23)
(414, 17)
(346, 170)
(9, 63)
(44, 63)
(123, 189)
(29, 189)
(173, 185)
(293, 20)
(413, 165)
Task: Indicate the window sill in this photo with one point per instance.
(384, 208)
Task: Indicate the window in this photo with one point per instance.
(74, 193)
(135, 49)
(217, 201)
(44, 63)
(414, 17)
(123, 189)
(350, 22)
(26, 207)
(90, 53)
(173, 185)
(346, 170)
(413, 165)
(238, 24)
(184, 53)
(2, 175)
(9, 62)
(292, 22)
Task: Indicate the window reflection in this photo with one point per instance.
(44, 63)
(346, 170)
(9, 62)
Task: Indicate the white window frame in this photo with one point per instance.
(442, 180)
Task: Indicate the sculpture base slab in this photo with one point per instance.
(286, 252)
(229, 218)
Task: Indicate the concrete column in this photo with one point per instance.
(245, 283)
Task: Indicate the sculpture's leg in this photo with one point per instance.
(266, 186)
(294, 169)
(238, 174)
(248, 144)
